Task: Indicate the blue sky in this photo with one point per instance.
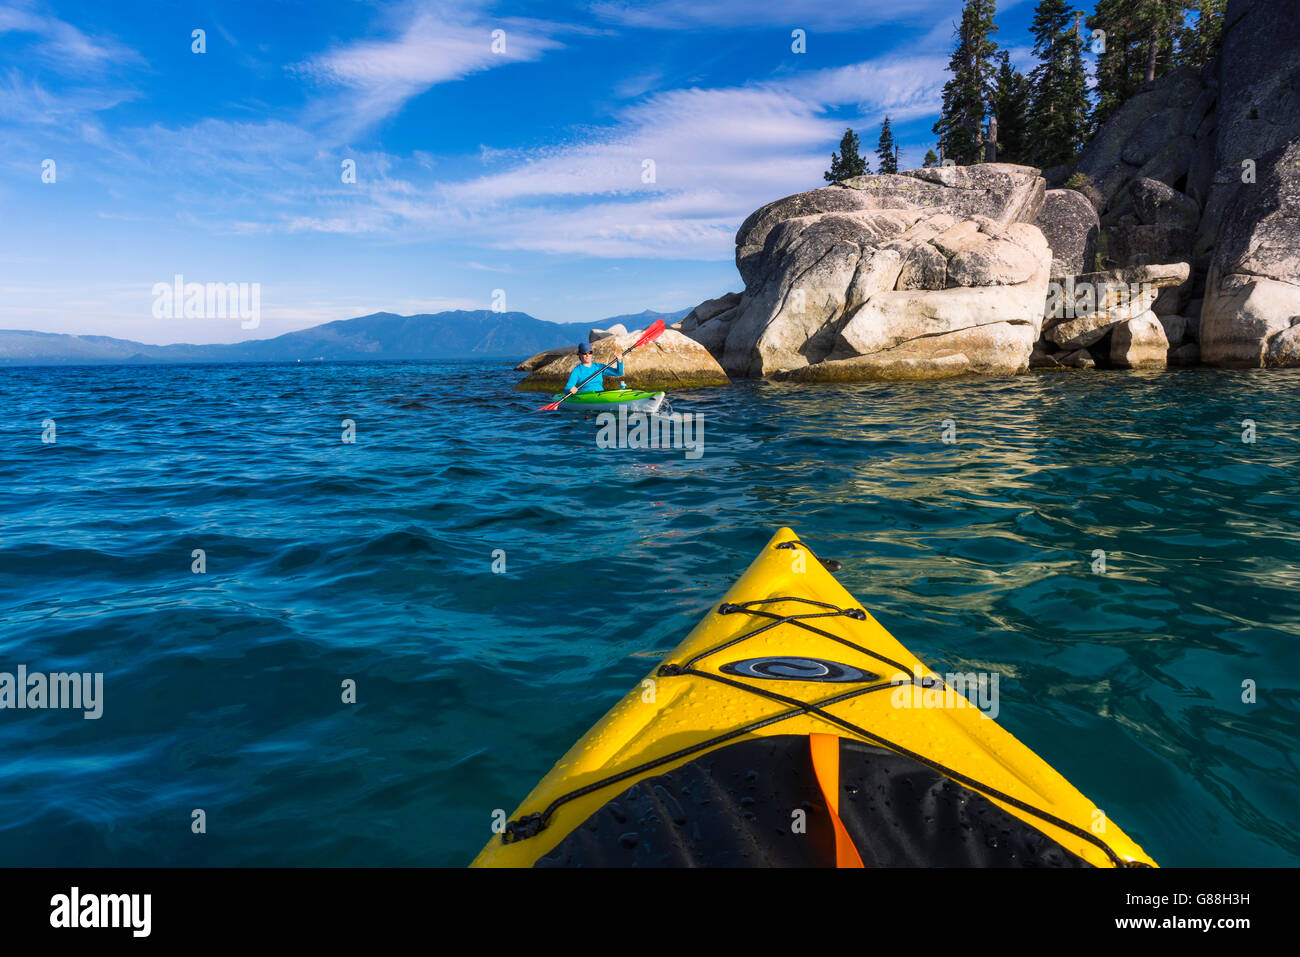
(476, 170)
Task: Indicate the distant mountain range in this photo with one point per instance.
(481, 334)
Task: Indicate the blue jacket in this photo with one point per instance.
(597, 384)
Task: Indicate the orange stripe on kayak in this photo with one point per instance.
(826, 765)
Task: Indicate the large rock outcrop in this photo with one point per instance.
(1188, 194)
(914, 269)
(1251, 315)
(672, 361)
(1070, 224)
(1258, 103)
(1152, 136)
(1148, 171)
(1000, 191)
(1178, 174)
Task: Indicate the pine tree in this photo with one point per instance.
(1158, 23)
(1058, 112)
(1011, 106)
(930, 159)
(847, 163)
(1139, 38)
(885, 149)
(1116, 71)
(1199, 41)
(967, 95)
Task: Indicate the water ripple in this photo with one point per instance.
(376, 561)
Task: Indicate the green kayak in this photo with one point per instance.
(611, 400)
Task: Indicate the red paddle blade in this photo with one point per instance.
(548, 408)
(650, 335)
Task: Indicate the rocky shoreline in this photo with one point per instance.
(1173, 241)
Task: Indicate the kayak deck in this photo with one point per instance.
(789, 697)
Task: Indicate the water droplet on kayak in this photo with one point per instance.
(629, 840)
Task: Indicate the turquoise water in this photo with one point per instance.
(372, 561)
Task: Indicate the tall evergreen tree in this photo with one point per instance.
(847, 163)
(885, 149)
(1139, 38)
(1058, 113)
(967, 95)
(1116, 72)
(931, 159)
(1158, 22)
(1199, 41)
(1011, 106)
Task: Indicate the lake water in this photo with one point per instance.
(373, 561)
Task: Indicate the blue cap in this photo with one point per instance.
(584, 347)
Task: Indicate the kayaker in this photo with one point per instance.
(585, 368)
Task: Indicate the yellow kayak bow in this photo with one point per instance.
(791, 729)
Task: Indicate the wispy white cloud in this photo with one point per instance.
(26, 102)
(59, 43)
(632, 87)
(718, 154)
(903, 87)
(429, 44)
(693, 138)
